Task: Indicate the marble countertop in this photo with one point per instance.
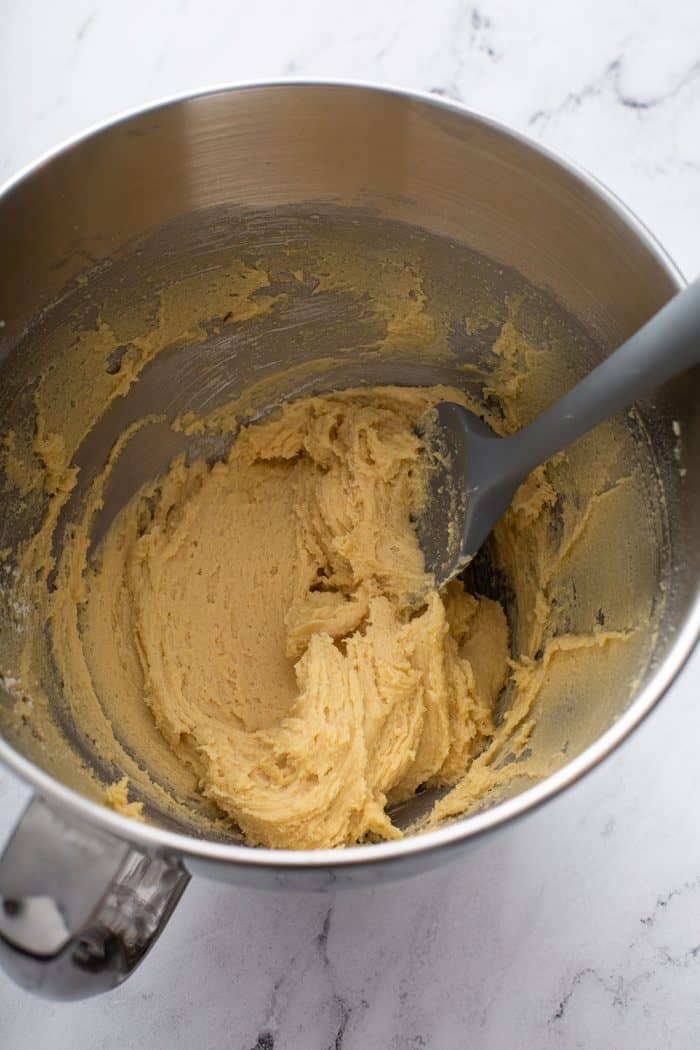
(581, 927)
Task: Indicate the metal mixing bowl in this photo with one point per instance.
(167, 192)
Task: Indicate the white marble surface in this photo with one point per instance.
(581, 928)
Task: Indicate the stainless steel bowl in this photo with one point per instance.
(85, 890)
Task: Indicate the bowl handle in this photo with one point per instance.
(79, 908)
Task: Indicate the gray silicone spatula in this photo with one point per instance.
(475, 473)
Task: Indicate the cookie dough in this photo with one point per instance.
(245, 648)
(273, 612)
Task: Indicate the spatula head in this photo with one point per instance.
(467, 489)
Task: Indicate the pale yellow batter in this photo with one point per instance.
(252, 646)
(273, 613)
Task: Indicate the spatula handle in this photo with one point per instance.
(667, 344)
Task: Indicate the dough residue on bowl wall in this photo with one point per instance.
(248, 642)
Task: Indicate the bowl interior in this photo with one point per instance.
(329, 213)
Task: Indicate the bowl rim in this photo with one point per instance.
(158, 840)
